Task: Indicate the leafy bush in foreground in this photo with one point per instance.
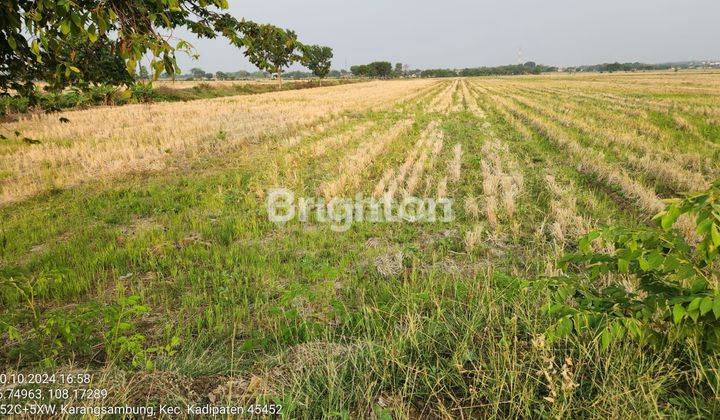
(93, 332)
(648, 284)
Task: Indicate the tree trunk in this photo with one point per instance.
(279, 75)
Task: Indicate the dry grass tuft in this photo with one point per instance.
(444, 100)
(456, 164)
(335, 142)
(421, 157)
(471, 207)
(363, 156)
(473, 237)
(442, 187)
(502, 181)
(389, 264)
(471, 101)
(684, 125)
(566, 225)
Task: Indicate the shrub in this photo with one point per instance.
(103, 94)
(96, 332)
(13, 105)
(202, 87)
(57, 101)
(647, 284)
(143, 92)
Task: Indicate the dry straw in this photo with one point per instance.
(109, 141)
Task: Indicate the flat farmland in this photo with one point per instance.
(158, 269)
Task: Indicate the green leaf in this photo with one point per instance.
(102, 24)
(585, 241)
(703, 228)
(11, 41)
(606, 338)
(698, 285)
(633, 327)
(670, 217)
(716, 309)
(14, 334)
(706, 305)
(76, 20)
(715, 235)
(173, 6)
(694, 304)
(65, 27)
(555, 308)
(131, 65)
(92, 34)
(35, 47)
(618, 331)
(694, 314)
(158, 67)
(564, 328)
(678, 313)
(654, 259)
(623, 265)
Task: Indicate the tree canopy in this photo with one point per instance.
(81, 43)
(198, 73)
(381, 69)
(38, 38)
(270, 48)
(318, 59)
(100, 60)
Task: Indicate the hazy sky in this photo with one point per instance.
(464, 33)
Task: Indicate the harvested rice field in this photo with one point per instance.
(139, 245)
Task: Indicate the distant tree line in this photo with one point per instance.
(438, 73)
(509, 70)
(376, 69)
(615, 67)
(385, 70)
(200, 74)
